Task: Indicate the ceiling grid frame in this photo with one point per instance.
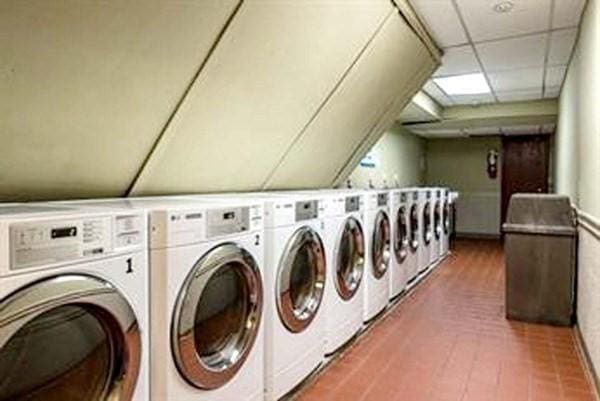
(549, 30)
(470, 39)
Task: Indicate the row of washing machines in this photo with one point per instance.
(213, 297)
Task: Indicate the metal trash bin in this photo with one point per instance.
(540, 249)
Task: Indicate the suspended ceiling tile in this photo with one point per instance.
(520, 129)
(484, 23)
(91, 86)
(477, 99)
(567, 13)
(551, 92)
(528, 78)
(516, 53)
(273, 69)
(441, 18)
(555, 75)
(561, 45)
(519, 95)
(457, 61)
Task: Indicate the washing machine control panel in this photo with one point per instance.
(231, 220)
(46, 242)
(352, 204)
(307, 210)
(382, 199)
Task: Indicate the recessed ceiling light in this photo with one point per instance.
(469, 84)
(504, 7)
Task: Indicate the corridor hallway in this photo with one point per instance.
(449, 341)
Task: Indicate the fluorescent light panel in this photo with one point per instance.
(469, 84)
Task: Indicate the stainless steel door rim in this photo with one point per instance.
(301, 279)
(427, 223)
(401, 235)
(350, 251)
(414, 228)
(82, 324)
(380, 244)
(217, 316)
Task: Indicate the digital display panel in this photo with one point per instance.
(63, 232)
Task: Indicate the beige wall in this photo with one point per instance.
(460, 163)
(578, 133)
(577, 172)
(399, 158)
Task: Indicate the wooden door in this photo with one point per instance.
(525, 164)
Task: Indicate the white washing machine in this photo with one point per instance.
(414, 234)
(403, 259)
(426, 225)
(295, 282)
(344, 241)
(207, 297)
(73, 304)
(345, 246)
(438, 230)
(378, 253)
(445, 242)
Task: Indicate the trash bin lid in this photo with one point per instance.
(540, 213)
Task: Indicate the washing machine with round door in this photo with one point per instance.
(207, 297)
(403, 259)
(342, 213)
(436, 242)
(414, 235)
(426, 224)
(378, 253)
(73, 304)
(295, 281)
(445, 224)
(345, 246)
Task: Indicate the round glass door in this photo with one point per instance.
(446, 224)
(68, 338)
(217, 316)
(380, 247)
(350, 259)
(427, 223)
(414, 228)
(437, 220)
(401, 235)
(301, 280)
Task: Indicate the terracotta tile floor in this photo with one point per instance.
(449, 341)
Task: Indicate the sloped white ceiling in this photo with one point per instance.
(272, 71)
(389, 65)
(156, 97)
(86, 88)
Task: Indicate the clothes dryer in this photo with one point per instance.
(207, 297)
(345, 245)
(403, 259)
(344, 241)
(415, 236)
(426, 224)
(437, 228)
(378, 253)
(73, 304)
(445, 242)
